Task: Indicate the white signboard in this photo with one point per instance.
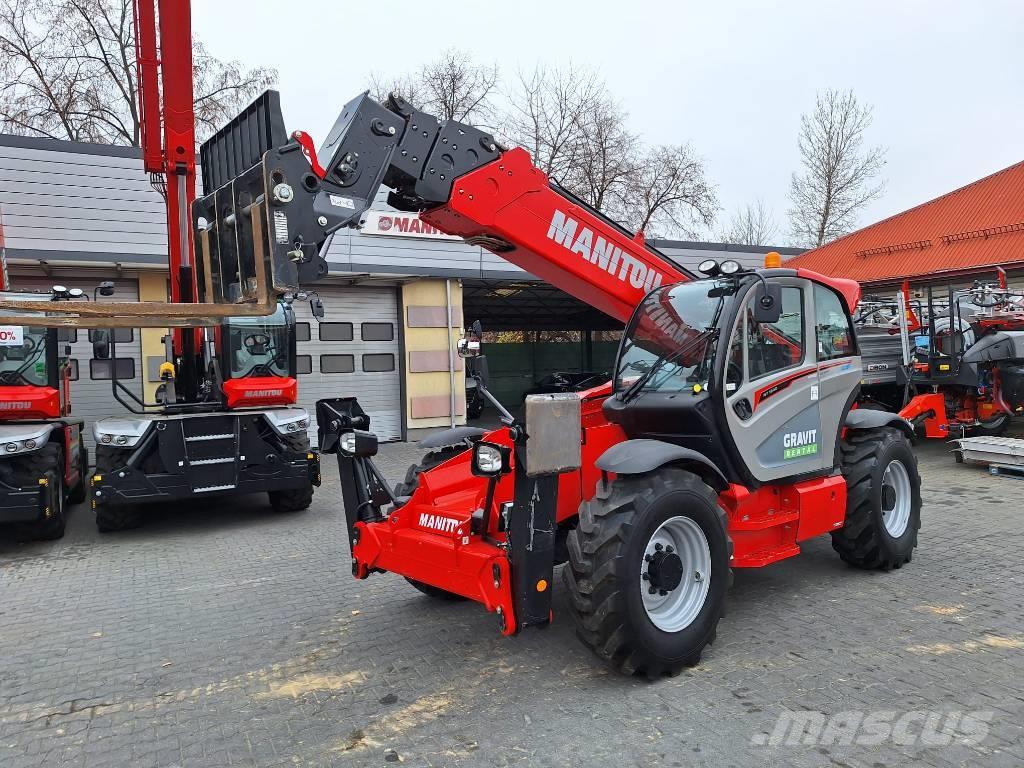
(402, 225)
(12, 336)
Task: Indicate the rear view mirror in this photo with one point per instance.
(767, 303)
(316, 307)
(100, 343)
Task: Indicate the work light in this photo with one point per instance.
(730, 267)
(490, 459)
(708, 267)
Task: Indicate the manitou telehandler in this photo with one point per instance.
(225, 421)
(728, 436)
(43, 464)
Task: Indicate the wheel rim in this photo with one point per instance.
(676, 565)
(896, 498)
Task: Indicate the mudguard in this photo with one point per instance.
(869, 418)
(449, 437)
(635, 457)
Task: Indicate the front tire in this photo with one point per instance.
(637, 605)
(433, 459)
(110, 516)
(292, 500)
(883, 500)
(52, 528)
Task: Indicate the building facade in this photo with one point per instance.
(397, 296)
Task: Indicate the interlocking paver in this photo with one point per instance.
(223, 634)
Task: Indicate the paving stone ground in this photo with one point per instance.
(222, 634)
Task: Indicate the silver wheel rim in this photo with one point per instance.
(678, 607)
(896, 516)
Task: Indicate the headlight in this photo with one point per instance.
(106, 439)
(490, 459)
(358, 443)
(304, 423)
(11, 447)
(708, 267)
(121, 440)
(292, 426)
(30, 444)
(730, 267)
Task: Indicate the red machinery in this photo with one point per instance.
(43, 463)
(725, 440)
(224, 420)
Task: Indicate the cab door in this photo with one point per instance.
(771, 388)
(839, 364)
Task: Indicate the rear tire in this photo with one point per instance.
(883, 500)
(436, 592)
(617, 544)
(292, 500)
(79, 493)
(110, 516)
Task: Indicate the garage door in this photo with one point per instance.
(353, 351)
(91, 398)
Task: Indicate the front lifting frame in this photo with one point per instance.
(454, 548)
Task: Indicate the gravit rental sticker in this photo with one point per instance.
(798, 444)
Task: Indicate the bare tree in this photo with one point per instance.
(452, 86)
(752, 224)
(68, 69)
(576, 133)
(670, 194)
(839, 173)
(548, 109)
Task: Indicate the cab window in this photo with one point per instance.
(832, 326)
(773, 347)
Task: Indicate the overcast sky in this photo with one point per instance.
(946, 79)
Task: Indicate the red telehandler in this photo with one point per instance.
(224, 421)
(43, 464)
(728, 436)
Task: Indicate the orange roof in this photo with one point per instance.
(977, 226)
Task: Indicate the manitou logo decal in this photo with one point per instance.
(797, 444)
(603, 254)
(438, 523)
(263, 393)
(19, 405)
(402, 225)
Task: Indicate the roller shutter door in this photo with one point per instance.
(91, 398)
(354, 351)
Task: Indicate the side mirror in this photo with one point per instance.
(316, 307)
(100, 338)
(767, 303)
(491, 459)
(469, 344)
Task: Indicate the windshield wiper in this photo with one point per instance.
(634, 389)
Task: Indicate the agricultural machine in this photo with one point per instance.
(43, 465)
(952, 363)
(728, 436)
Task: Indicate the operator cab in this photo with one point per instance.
(34, 372)
(754, 370)
(258, 359)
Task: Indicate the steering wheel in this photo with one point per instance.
(255, 340)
